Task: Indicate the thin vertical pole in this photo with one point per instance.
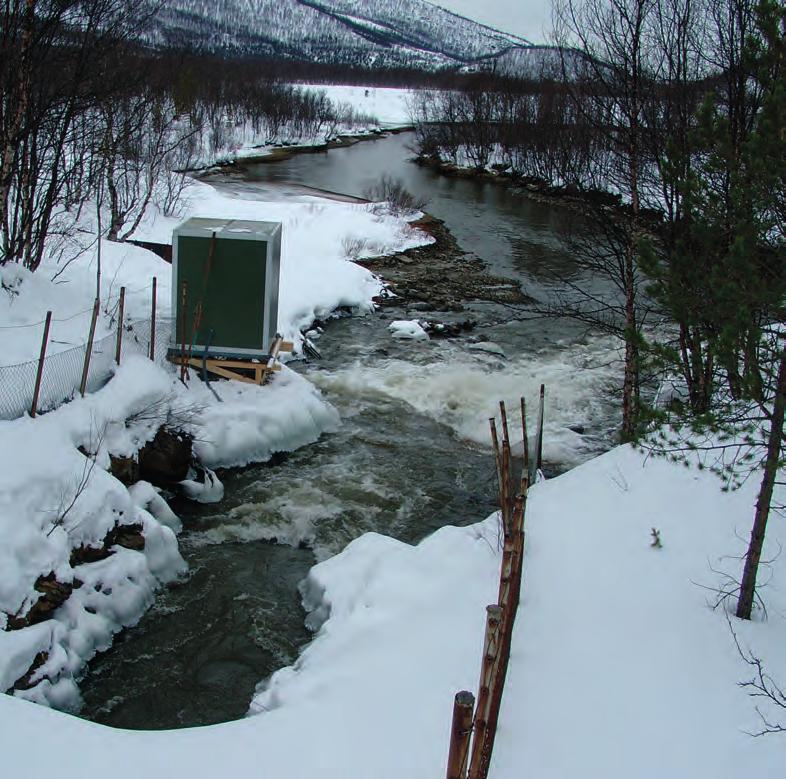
(183, 302)
(460, 731)
(539, 454)
(153, 322)
(525, 434)
(41, 358)
(494, 618)
(121, 307)
(89, 350)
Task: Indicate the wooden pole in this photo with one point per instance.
(525, 434)
(153, 321)
(539, 454)
(459, 735)
(89, 349)
(121, 307)
(494, 617)
(41, 359)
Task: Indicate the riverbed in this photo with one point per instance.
(411, 455)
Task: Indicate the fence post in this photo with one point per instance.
(153, 322)
(460, 732)
(494, 617)
(40, 373)
(89, 350)
(539, 453)
(120, 314)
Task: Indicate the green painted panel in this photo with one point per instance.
(232, 291)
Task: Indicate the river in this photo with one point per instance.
(410, 456)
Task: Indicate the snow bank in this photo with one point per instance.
(619, 667)
(54, 499)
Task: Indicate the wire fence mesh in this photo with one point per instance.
(61, 377)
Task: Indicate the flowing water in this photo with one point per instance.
(410, 456)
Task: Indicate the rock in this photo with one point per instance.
(167, 458)
(53, 595)
(26, 682)
(124, 469)
(127, 536)
(580, 429)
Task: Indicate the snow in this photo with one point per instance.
(619, 666)
(389, 105)
(408, 329)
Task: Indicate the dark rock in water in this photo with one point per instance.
(167, 458)
(438, 329)
(580, 429)
(124, 469)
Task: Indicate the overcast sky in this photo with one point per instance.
(528, 18)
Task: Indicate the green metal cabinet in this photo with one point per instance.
(231, 298)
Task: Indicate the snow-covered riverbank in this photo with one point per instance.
(56, 492)
(620, 667)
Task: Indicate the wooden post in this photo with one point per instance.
(121, 306)
(153, 321)
(525, 434)
(41, 359)
(89, 349)
(494, 617)
(459, 735)
(539, 453)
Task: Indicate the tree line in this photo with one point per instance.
(89, 116)
(677, 109)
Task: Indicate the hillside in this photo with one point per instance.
(391, 33)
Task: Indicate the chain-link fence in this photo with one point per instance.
(61, 377)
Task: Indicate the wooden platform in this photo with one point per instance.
(247, 371)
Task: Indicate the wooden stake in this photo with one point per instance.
(459, 735)
(494, 618)
(120, 314)
(89, 350)
(525, 434)
(41, 359)
(153, 321)
(539, 461)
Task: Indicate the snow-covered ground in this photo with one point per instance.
(390, 106)
(620, 666)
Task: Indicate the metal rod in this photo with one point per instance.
(41, 359)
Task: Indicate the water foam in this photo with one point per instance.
(463, 392)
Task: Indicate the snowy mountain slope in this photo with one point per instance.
(361, 32)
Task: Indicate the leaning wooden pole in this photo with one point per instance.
(89, 349)
(121, 307)
(41, 359)
(460, 732)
